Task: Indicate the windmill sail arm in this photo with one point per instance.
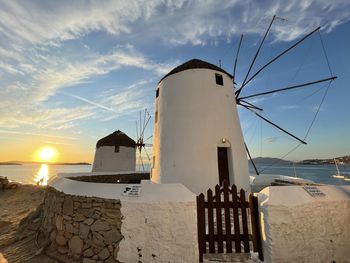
(251, 159)
(289, 88)
(256, 55)
(277, 126)
(248, 104)
(277, 57)
(238, 49)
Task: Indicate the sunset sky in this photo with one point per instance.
(72, 72)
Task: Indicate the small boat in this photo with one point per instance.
(338, 175)
(346, 178)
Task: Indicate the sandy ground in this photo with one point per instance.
(15, 205)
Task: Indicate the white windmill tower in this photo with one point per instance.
(197, 138)
(115, 153)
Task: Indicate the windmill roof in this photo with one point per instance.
(117, 138)
(195, 63)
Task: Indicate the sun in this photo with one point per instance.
(47, 154)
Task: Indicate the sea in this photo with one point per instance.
(40, 173)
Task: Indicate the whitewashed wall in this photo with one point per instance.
(300, 228)
(107, 160)
(194, 114)
(158, 226)
(162, 228)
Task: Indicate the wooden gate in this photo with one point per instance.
(227, 208)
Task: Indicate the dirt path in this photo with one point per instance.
(16, 204)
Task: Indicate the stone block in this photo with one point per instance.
(68, 206)
(88, 253)
(100, 225)
(89, 221)
(112, 236)
(88, 260)
(75, 245)
(84, 231)
(78, 218)
(104, 254)
(61, 240)
(85, 211)
(59, 223)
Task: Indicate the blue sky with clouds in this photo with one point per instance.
(74, 71)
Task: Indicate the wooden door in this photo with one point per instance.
(223, 165)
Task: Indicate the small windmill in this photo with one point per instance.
(141, 141)
(242, 100)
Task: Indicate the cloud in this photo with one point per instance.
(44, 49)
(36, 134)
(177, 22)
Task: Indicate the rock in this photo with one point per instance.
(68, 235)
(112, 236)
(53, 236)
(62, 250)
(97, 240)
(68, 206)
(96, 214)
(61, 240)
(110, 248)
(89, 221)
(86, 205)
(115, 252)
(68, 218)
(95, 257)
(84, 231)
(110, 260)
(76, 245)
(88, 253)
(69, 228)
(78, 218)
(100, 225)
(86, 212)
(59, 223)
(104, 254)
(88, 260)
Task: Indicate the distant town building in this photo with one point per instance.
(115, 153)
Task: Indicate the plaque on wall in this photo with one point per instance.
(314, 191)
(132, 190)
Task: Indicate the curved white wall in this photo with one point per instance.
(297, 227)
(194, 114)
(107, 160)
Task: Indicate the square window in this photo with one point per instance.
(156, 117)
(219, 80)
(116, 149)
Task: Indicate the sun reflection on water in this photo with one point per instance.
(43, 175)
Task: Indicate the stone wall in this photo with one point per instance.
(81, 229)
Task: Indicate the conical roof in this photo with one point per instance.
(195, 63)
(117, 138)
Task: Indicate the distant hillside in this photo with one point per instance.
(340, 160)
(270, 160)
(29, 162)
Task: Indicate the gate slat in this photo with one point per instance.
(219, 219)
(227, 218)
(254, 213)
(201, 226)
(244, 221)
(211, 222)
(236, 219)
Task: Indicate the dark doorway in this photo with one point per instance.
(223, 165)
